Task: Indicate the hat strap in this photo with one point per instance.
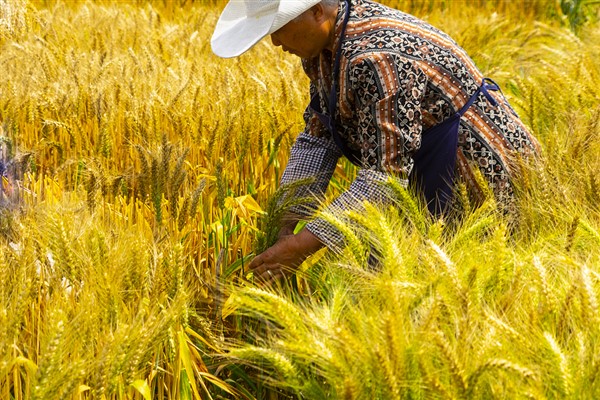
(351, 155)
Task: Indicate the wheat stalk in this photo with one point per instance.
(500, 365)
(545, 290)
(455, 366)
(563, 374)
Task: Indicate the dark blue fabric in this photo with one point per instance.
(433, 172)
(435, 161)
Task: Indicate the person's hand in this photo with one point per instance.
(284, 257)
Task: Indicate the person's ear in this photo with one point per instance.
(318, 12)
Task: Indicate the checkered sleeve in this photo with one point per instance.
(369, 185)
(313, 155)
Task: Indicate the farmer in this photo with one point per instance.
(394, 95)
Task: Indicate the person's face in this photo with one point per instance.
(306, 36)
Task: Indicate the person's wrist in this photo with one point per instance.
(307, 242)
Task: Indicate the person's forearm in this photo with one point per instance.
(307, 243)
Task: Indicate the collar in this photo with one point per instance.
(339, 22)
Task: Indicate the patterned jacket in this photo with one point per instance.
(398, 77)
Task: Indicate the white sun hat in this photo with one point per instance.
(245, 22)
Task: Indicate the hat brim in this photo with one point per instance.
(235, 33)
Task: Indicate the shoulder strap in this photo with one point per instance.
(351, 155)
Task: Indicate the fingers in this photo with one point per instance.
(271, 277)
(268, 272)
(265, 257)
(256, 261)
(258, 265)
(276, 262)
(265, 272)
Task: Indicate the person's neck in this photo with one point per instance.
(333, 12)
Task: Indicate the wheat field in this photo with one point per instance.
(138, 178)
